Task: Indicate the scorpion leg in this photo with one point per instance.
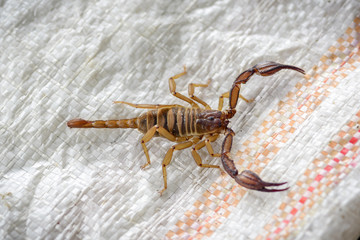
(246, 178)
(191, 90)
(263, 69)
(208, 140)
(172, 87)
(199, 146)
(148, 106)
(227, 95)
(168, 157)
(150, 134)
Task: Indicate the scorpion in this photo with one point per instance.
(194, 126)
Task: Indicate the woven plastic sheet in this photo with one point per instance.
(66, 59)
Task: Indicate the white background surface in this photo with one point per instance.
(66, 59)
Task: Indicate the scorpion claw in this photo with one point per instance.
(252, 181)
(246, 178)
(269, 68)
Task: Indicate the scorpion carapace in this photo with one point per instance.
(194, 126)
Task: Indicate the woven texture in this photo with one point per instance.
(67, 59)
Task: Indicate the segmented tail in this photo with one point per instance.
(123, 123)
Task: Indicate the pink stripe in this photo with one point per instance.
(353, 140)
(328, 168)
(303, 199)
(318, 177)
(344, 151)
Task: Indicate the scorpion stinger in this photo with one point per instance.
(247, 178)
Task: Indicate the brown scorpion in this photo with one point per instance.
(194, 126)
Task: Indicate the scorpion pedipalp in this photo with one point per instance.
(264, 69)
(246, 178)
(269, 68)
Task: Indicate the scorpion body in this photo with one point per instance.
(194, 126)
(181, 122)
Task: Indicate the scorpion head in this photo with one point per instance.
(211, 121)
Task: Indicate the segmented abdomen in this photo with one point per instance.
(177, 120)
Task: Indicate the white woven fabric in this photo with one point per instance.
(67, 59)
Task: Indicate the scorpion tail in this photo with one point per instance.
(123, 123)
(246, 178)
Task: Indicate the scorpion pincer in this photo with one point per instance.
(194, 126)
